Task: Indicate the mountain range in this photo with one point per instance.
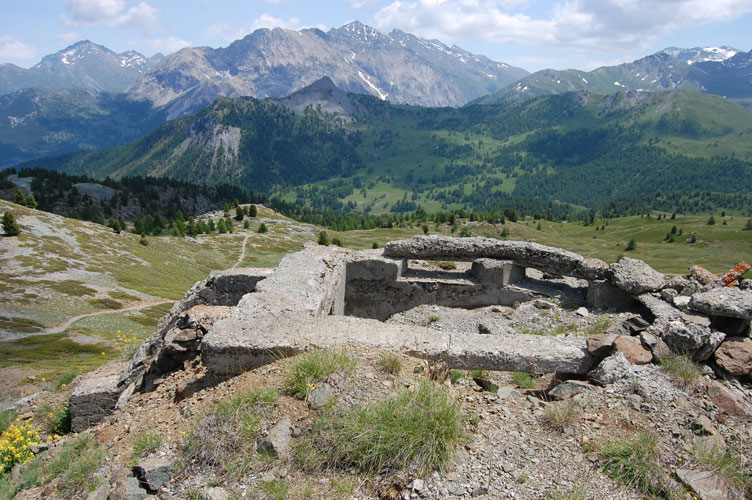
(723, 71)
(83, 65)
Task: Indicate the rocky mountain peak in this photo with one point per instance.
(701, 54)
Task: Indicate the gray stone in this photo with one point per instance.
(668, 294)
(656, 345)
(660, 310)
(602, 295)
(36, 449)
(708, 485)
(320, 396)
(506, 392)
(613, 368)
(681, 301)
(126, 488)
(497, 272)
(636, 277)
(593, 269)
(153, 472)
(95, 396)
(547, 259)
(729, 302)
(696, 341)
(735, 356)
(582, 311)
(568, 389)
(277, 441)
(216, 493)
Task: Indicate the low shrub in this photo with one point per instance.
(417, 428)
(632, 461)
(313, 366)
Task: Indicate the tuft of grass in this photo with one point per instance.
(416, 429)
(75, 466)
(63, 380)
(6, 418)
(600, 325)
(729, 462)
(632, 461)
(343, 487)
(312, 367)
(276, 489)
(455, 375)
(683, 368)
(146, 443)
(226, 434)
(523, 380)
(445, 265)
(432, 319)
(559, 416)
(390, 363)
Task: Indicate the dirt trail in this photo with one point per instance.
(68, 322)
(242, 252)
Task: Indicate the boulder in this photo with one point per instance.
(153, 472)
(692, 339)
(658, 308)
(593, 269)
(632, 350)
(277, 441)
(613, 368)
(728, 399)
(729, 302)
(734, 355)
(708, 485)
(123, 486)
(95, 396)
(702, 276)
(657, 346)
(600, 345)
(636, 277)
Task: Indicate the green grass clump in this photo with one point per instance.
(106, 303)
(146, 443)
(632, 461)
(416, 429)
(75, 465)
(683, 368)
(600, 325)
(455, 375)
(6, 418)
(559, 416)
(573, 494)
(432, 319)
(226, 434)
(63, 380)
(523, 380)
(276, 489)
(728, 462)
(390, 363)
(313, 366)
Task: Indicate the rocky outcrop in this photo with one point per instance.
(95, 397)
(727, 302)
(635, 277)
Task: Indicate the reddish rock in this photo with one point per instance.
(702, 275)
(735, 356)
(728, 399)
(633, 350)
(732, 275)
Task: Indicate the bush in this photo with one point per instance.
(631, 245)
(261, 229)
(416, 429)
(10, 226)
(313, 366)
(632, 461)
(711, 221)
(225, 436)
(390, 363)
(63, 421)
(323, 238)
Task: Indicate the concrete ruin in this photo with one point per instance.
(330, 297)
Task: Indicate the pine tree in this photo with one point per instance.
(631, 245)
(31, 202)
(748, 226)
(10, 227)
(116, 227)
(323, 238)
(221, 228)
(191, 229)
(239, 213)
(252, 211)
(262, 228)
(246, 225)
(504, 232)
(539, 227)
(20, 198)
(711, 221)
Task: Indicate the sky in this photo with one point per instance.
(532, 34)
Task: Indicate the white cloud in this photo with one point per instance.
(273, 2)
(10, 48)
(225, 31)
(362, 4)
(269, 21)
(86, 12)
(169, 44)
(588, 25)
(143, 16)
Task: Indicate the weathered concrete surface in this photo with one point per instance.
(729, 302)
(497, 272)
(95, 396)
(235, 345)
(602, 295)
(635, 277)
(548, 259)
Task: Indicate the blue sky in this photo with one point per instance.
(533, 34)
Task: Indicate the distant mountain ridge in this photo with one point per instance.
(83, 65)
(723, 71)
(397, 66)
